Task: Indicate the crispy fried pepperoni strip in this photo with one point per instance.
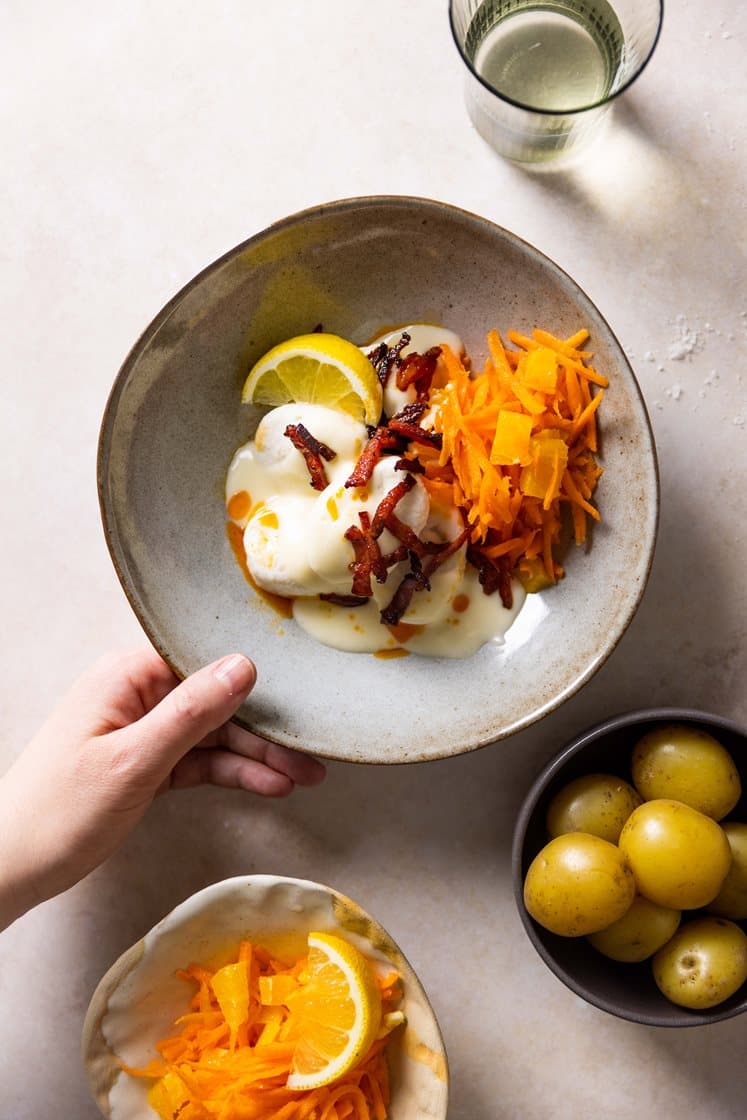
(389, 502)
(381, 440)
(313, 451)
(492, 575)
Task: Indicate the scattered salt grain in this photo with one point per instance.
(738, 421)
(659, 405)
(649, 356)
(712, 378)
(686, 342)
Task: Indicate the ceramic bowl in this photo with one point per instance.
(625, 990)
(139, 998)
(174, 419)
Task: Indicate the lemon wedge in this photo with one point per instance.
(339, 1012)
(317, 369)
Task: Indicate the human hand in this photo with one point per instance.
(125, 732)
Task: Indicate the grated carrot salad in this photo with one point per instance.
(518, 445)
(234, 1050)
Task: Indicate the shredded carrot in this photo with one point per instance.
(518, 446)
(234, 1050)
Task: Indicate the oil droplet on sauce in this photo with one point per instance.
(403, 631)
(239, 505)
(278, 603)
(460, 603)
(390, 654)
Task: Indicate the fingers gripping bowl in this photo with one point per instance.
(174, 420)
(138, 1000)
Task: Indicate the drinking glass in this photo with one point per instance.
(541, 74)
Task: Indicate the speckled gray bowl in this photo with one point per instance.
(174, 419)
(139, 998)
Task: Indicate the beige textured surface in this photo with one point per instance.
(140, 143)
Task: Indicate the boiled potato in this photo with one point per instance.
(679, 857)
(578, 884)
(703, 964)
(597, 803)
(685, 764)
(731, 900)
(639, 933)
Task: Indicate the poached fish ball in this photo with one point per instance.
(275, 547)
(335, 510)
(274, 451)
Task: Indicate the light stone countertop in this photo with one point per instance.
(139, 142)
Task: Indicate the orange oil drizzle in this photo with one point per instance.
(278, 603)
(403, 631)
(460, 603)
(239, 505)
(390, 654)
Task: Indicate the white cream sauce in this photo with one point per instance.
(294, 535)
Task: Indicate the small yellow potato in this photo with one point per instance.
(597, 803)
(578, 884)
(679, 857)
(731, 900)
(703, 964)
(688, 765)
(639, 933)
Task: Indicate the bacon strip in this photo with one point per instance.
(414, 466)
(418, 370)
(405, 534)
(344, 600)
(492, 576)
(313, 451)
(411, 412)
(389, 502)
(418, 578)
(415, 580)
(414, 432)
(383, 357)
(367, 558)
(381, 440)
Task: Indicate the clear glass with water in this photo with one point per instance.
(541, 74)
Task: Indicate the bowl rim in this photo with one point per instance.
(613, 637)
(131, 956)
(678, 1018)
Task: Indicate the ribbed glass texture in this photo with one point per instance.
(540, 74)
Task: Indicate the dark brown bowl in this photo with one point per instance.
(626, 990)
